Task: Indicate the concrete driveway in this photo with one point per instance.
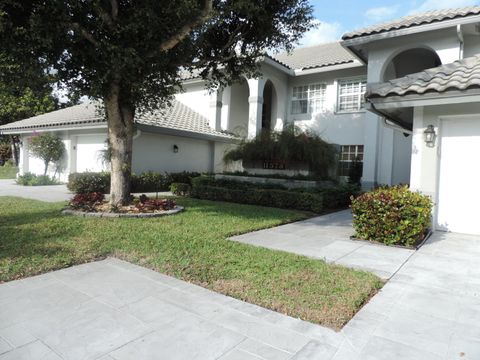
(53, 193)
(429, 310)
(327, 237)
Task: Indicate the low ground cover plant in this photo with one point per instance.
(95, 202)
(29, 179)
(392, 215)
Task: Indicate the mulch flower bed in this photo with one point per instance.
(95, 205)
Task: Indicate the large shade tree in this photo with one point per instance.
(130, 53)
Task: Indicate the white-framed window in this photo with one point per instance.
(308, 98)
(349, 154)
(351, 95)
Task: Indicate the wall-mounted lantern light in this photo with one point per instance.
(175, 149)
(429, 136)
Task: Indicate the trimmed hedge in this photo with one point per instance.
(180, 189)
(205, 188)
(274, 195)
(392, 215)
(89, 182)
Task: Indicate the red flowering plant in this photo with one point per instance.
(150, 205)
(87, 201)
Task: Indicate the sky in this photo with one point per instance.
(335, 17)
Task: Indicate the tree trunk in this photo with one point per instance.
(15, 152)
(120, 116)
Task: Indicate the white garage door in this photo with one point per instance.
(459, 191)
(89, 153)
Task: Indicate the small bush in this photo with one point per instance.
(149, 205)
(87, 201)
(335, 197)
(245, 193)
(180, 189)
(89, 182)
(149, 182)
(29, 179)
(392, 215)
(181, 177)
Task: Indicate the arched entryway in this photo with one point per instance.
(269, 108)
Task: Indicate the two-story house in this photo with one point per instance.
(402, 96)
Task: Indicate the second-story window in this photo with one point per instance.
(308, 98)
(351, 95)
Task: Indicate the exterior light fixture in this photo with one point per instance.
(429, 136)
(175, 149)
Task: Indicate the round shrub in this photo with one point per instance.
(392, 215)
(180, 189)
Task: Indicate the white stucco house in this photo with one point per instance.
(374, 93)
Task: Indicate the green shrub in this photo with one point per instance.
(184, 177)
(246, 193)
(29, 179)
(292, 146)
(180, 189)
(149, 182)
(392, 215)
(335, 197)
(89, 182)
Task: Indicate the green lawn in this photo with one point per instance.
(36, 238)
(8, 172)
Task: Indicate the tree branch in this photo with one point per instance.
(84, 33)
(114, 5)
(183, 32)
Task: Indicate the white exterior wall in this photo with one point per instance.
(383, 163)
(154, 152)
(92, 140)
(425, 160)
(344, 128)
(151, 152)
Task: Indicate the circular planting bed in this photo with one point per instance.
(94, 205)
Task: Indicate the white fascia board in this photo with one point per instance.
(50, 129)
(414, 29)
(425, 100)
(277, 65)
(184, 133)
(323, 69)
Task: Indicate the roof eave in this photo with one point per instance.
(185, 133)
(56, 127)
(427, 99)
(414, 29)
(328, 68)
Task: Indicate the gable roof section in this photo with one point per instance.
(461, 75)
(177, 117)
(315, 56)
(413, 21)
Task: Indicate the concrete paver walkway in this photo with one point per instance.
(328, 237)
(112, 310)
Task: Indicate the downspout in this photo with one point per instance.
(461, 41)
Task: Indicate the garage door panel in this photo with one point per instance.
(459, 193)
(89, 153)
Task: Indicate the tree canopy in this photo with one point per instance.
(131, 53)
